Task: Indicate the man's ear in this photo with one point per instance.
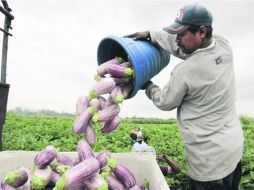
(202, 31)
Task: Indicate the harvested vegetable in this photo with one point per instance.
(64, 159)
(117, 95)
(5, 186)
(121, 80)
(111, 125)
(74, 178)
(102, 102)
(119, 71)
(90, 135)
(102, 157)
(40, 177)
(114, 183)
(52, 180)
(45, 157)
(82, 104)
(103, 86)
(96, 182)
(122, 173)
(95, 103)
(102, 68)
(81, 122)
(108, 113)
(16, 178)
(84, 150)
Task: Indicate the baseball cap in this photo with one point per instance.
(192, 14)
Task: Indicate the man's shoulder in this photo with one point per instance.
(221, 40)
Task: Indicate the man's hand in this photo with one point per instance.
(140, 36)
(146, 85)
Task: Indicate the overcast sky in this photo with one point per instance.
(52, 54)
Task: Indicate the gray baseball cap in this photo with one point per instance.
(192, 14)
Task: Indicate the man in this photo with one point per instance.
(202, 88)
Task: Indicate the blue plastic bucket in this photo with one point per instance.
(147, 59)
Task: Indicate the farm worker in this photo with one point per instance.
(172, 167)
(202, 88)
(140, 145)
(136, 133)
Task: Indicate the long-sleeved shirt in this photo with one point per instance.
(202, 88)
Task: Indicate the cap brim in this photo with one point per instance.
(176, 28)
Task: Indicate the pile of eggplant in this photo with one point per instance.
(113, 84)
(57, 171)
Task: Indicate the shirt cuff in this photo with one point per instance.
(149, 90)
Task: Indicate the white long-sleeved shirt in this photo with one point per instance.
(202, 88)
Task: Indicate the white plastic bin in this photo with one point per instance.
(143, 165)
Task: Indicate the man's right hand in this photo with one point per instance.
(140, 36)
(146, 85)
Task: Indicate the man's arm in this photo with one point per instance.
(166, 41)
(171, 95)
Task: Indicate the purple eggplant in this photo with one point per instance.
(90, 135)
(52, 180)
(40, 177)
(103, 86)
(5, 186)
(74, 178)
(16, 178)
(45, 157)
(64, 159)
(119, 71)
(81, 122)
(27, 185)
(111, 125)
(109, 101)
(121, 80)
(102, 68)
(137, 187)
(77, 160)
(114, 183)
(54, 177)
(117, 95)
(108, 113)
(102, 102)
(59, 168)
(142, 186)
(95, 103)
(122, 173)
(102, 157)
(96, 182)
(82, 104)
(84, 150)
(126, 64)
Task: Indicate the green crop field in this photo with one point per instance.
(34, 132)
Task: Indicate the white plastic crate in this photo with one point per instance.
(142, 165)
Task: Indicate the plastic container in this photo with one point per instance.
(147, 59)
(142, 165)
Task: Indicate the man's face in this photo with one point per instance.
(189, 42)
